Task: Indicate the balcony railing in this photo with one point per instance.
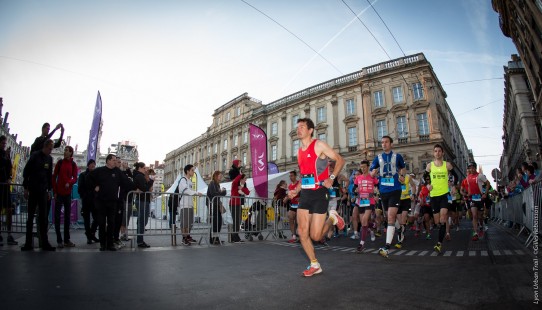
(424, 138)
(403, 140)
(352, 148)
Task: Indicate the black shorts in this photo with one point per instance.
(454, 206)
(362, 210)
(316, 201)
(292, 207)
(426, 210)
(390, 199)
(477, 204)
(439, 202)
(404, 205)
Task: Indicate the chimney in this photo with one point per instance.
(5, 123)
(156, 163)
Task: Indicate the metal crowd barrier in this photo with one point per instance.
(13, 208)
(523, 210)
(162, 220)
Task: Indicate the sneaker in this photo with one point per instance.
(340, 221)
(185, 242)
(312, 270)
(448, 237)
(383, 252)
(399, 245)
(143, 245)
(378, 234)
(474, 237)
(428, 237)
(354, 237)
(190, 239)
(124, 238)
(60, 245)
(12, 241)
(69, 244)
(457, 228)
(360, 248)
(438, 247)
(293, 240)
(372, 236)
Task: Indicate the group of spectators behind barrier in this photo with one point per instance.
(260, 218)
(521, 210)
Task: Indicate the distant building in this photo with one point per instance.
(520, 138)
(159, 177)
(18, 152)
(402, 98)
(522, 22)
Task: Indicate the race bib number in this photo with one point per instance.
(403, 187)
(332, 193)
(477, 197)
(388, 182)
(427, 200)
(364, 202)
(450, 199)
(307, 181)
(294, 206)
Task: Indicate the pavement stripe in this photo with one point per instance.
(496, 252)
(520, 252)
(411, 253)
(460, 253)
(472, 253)
(434, 253)
(400, 252)
(508, 252)
(423, 253)
(448, 253)
(484, 253)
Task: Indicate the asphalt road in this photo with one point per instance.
(493, 273)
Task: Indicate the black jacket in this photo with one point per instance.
(38, 172)
(83, 189)
(143, 185)
(110, 181)
(5, 166)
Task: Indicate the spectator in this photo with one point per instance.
(87, 199)
(45, 135)
(5, 197)
(528, 178)
(37, 177)
(238, 191)
(186, 203)
(143, 187)
(278, 198)
(235, 169)
(213, 191)
(64, 177)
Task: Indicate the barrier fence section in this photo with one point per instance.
(523, 210)
(153, 214)
(13, 208)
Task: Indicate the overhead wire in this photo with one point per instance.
(293, 34)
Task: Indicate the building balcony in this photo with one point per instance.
(424, 138)
(403, 140)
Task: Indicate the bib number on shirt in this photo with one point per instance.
(364, 202)
(307, 181)
(477, 197)
(387, 182)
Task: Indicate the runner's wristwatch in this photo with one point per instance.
(332, 177)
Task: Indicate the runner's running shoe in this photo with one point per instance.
(399, 245)
(448, 237)
(474, 236)
(340, 221)
(428, 237)
(383, 252)
(372, 236)
(312, 270)
(360, 248)
(438, 247)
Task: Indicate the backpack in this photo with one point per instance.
(173, 204)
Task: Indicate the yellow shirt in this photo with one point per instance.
(439, 180)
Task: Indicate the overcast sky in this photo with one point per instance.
(163, 67)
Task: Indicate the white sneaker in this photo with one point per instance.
(486, 227)
(373, 236)
(354, 237)
(457, 228)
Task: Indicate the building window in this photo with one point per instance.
(244, 158)
(218, 120)
(417, 89)
(381, 129)
(216, 147)
(397, 94)
(379, 99)
(320, 115)
(402, 131)
(274, 129)
(273, 152)
(228, 116)
(322, 136)
(235, 140)
(423, 124)
(295, 147)
(352, 136)
(224, 164)
(294, 121)
(350, 107)
(238, 111)
(209, 150)
(225, 144)
(245, 137)
(214, 165)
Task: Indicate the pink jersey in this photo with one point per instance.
(366, 185)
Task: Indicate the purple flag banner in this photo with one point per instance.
(258, 153)
(92, 147)
(273, 168)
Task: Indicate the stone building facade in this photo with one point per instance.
(402, 98)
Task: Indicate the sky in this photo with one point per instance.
(163, 67)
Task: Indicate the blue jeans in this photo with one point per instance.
(143, 212)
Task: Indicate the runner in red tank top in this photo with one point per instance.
(313, 157)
